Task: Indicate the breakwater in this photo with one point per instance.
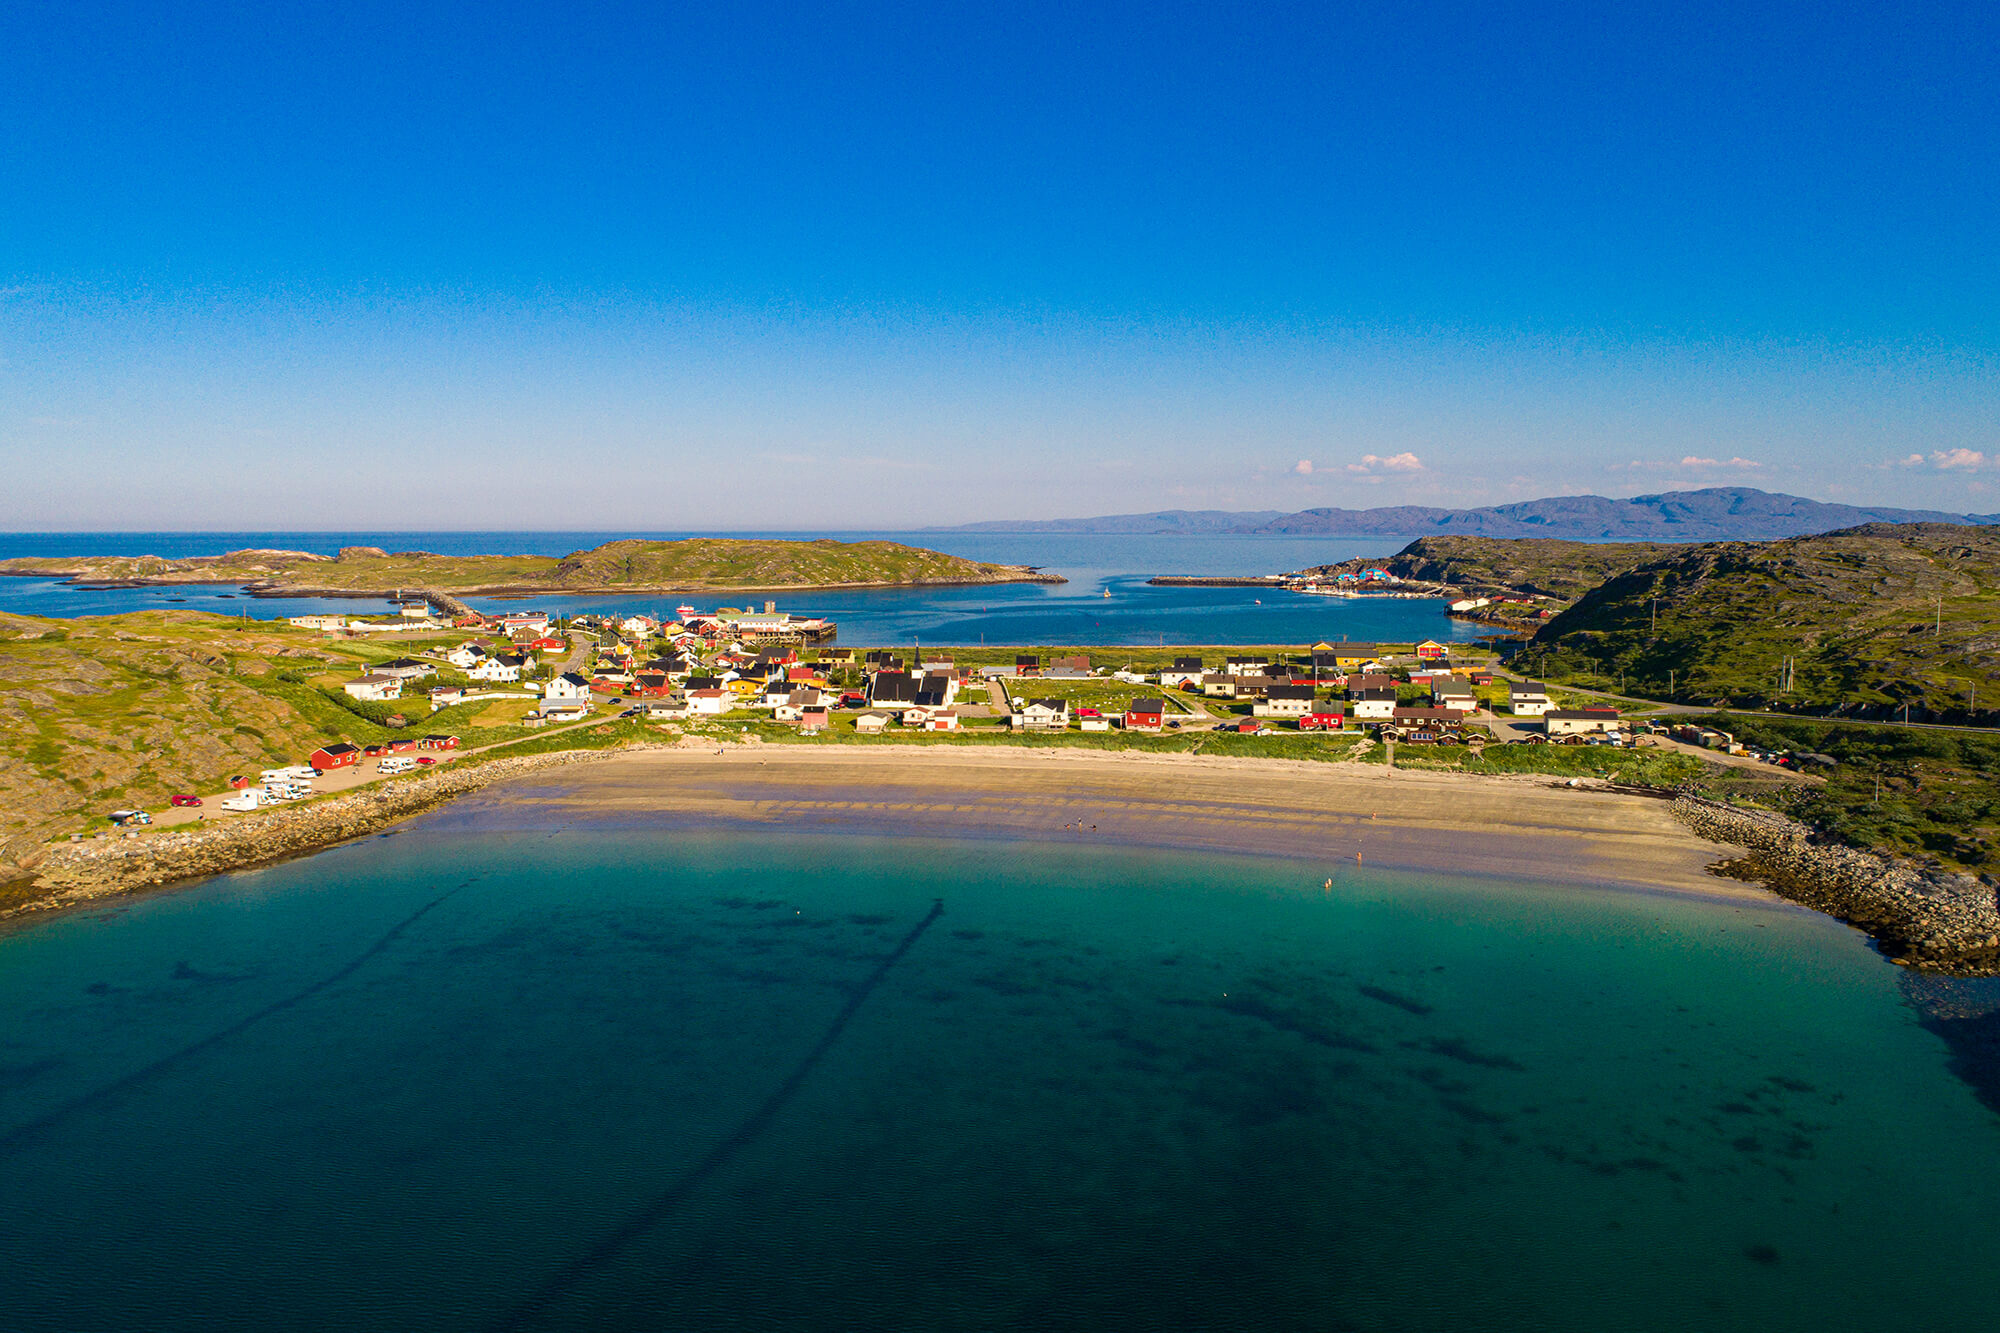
(1934, 920)
(76, 872)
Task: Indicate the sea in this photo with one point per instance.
(510, 1068)
(1105, 601)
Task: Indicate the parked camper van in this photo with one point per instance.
(248, 799)
(394, 764)
(296, 773)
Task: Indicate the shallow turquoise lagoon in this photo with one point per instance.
(468, 1077)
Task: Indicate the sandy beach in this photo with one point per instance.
(1523, 828)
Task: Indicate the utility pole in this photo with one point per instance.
(1656, 618)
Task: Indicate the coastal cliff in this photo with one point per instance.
(1936, 921)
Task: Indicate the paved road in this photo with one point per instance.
(1663, 708)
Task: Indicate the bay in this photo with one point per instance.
(509, 1069)
(1076, 612)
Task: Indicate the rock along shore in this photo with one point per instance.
(1935, 921)
(77, 872)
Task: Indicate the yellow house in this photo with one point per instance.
(745, 688)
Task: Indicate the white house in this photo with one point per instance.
(504, 667)
(638, 625)
(1042, 715)
(466, 656)
(708, 703)
(1374, 705)
(563, 710)
(405, 668)
(444, 696)
(1454, 695)
(374, 688)
(569, 685)
(871, 724)
(797, 704)
(1284, 701)
(328, 623)
(1528, 698)
(1580, 721)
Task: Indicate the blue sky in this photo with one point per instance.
(879, 265)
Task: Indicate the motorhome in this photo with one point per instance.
(296, 773)
(392, 764)
(248, 799)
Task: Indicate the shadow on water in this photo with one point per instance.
(1965, 1013)
(21, 1134)
(661, 1207)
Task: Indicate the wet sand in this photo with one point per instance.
(1508, 827)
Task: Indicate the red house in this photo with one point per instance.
(1145, 715)
(651, 685)
(1325, 716)
(1430, 650)
(329, 757)
(436, 742)
(545, 644)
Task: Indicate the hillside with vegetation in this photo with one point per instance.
(1531, 566)
(102, 712)
(692, 565)
(1873, 620)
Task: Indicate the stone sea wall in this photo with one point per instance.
(1929, 919)
(74, 872)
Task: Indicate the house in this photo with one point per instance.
(1241, 687)
(798, 703)
(505, 667)
(1027, 664)
(374, 688)
(1580, 721)
(708, 703)
(643, 625)
(1373, 705)
(565, 710)
(1450, 694)
(1067, 668)
(329, 757)
(327, 623)
(1430, 650)
(1322, 715)
(546, 644)
(536, 622)
(1245, 664)
(804, 675)
(444, 696)
(1404, 717)
(1145, 715)
(569, 685)
(1369, 680)
(871, 724)
(1184, 674)
(1042, 715)
(438, 741)
(466, 656)
(1528, 698)
(1348, 655)
(1284, 701)
(657, 709)
(814, 719)
(931, 719)
(405, 668)
(936, 661)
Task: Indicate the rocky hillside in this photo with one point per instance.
(1874, 618)
(1541, 566)
(691, 565)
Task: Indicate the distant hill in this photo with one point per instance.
(1717, 513)
(712, 563)
(1873, 617)
(1543, 566)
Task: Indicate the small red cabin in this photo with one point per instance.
(438, 743)
(329, 757)
(398, 746)
(1322, 722)
(547, 645)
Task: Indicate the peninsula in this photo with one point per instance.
(696, 564)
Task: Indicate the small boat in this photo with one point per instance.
(1107, 594)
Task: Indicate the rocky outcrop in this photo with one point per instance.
(75, 872)
(1928, 919)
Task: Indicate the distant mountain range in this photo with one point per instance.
(1717, 513)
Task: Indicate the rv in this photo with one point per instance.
(394, 764)
(248, 799)
(296, 773)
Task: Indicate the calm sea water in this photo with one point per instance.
(1074, 612)
(485, 1074)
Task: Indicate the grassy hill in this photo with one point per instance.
(1540, 566)
(1874, 618)
(700, 563)
(101, 712)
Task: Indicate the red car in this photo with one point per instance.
(426, 759)
(184, 800)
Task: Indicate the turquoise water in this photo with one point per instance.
(491, 1076)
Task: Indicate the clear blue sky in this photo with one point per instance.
(496, 265)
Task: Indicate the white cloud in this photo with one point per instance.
(1958, 458)
(1692, 461)
(1304, 467)
(1372, 463)
(1912, 460)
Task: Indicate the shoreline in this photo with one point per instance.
(1337, 816)
(273, 589)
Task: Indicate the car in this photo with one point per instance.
(184, 801)
(426, 759)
